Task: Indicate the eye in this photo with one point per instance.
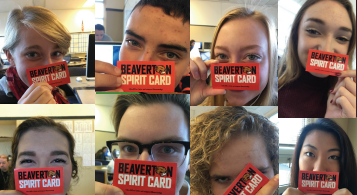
(32, 55)
(128, 148)
(312, 31)
(133, 43)
(172, 55)
(167, 150)
(334, 157)
(221, 56)
(222, 179)
(58, 160)
(26, 161)
(310, 154)
(57, 53)
(253, 57)
(343, 39)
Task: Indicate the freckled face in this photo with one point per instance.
(151, 35)
(232, 159)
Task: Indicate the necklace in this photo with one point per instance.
(5, 179)
(225, 102)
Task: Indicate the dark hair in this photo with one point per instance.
(99, 27)
(211, 131)
(36, 124)
(174, 8)
(123, 102)
(348, 167)
(192, 41)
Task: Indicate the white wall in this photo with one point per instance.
(102, 118)
(115, 4)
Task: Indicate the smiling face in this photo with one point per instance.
(236, 44)
(320, 152)
(158, 122)
(33, 154)
(33, 51)
(232, 159)
(325, 26)
(151, 35)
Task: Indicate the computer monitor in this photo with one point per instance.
(107, 51)
(90, 68)
(198, 45)
(205, 55)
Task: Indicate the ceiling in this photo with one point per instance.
(250, 2)
(8, 5)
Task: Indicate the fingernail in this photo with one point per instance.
(195, 75)
(276, 178)
(117, 70)
(331, 102)
(338, 74)
(331, 90)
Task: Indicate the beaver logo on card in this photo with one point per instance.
(235, 76)
(318, 182)
(249, 181)
(147, 76)
(144, 177)
(54, 74)
(47, 180)
(326, 62)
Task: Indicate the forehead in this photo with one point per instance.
(321, 140)
(331, 12)
(243, 32)
(157, 27)
(45, 139)
(3, 160)
(154, 122)
(30, 37)
(237, 153)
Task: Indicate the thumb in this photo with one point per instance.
(270, 187)
(103, 189)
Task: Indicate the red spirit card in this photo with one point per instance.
(147, 76)
(325, 62)
(318, 182)
(144, 177)
(48, 180)
(54, 74)
(235, 76)
(249, 181)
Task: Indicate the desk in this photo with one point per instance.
(77, 64)
(84, 91)
(101, 167)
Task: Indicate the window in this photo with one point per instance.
(2, 54)
(99, 12)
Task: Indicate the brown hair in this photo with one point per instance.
(123, 102)
(210, 132)
(37, 124)
(290, 65)
(348, 165)
(269, 95)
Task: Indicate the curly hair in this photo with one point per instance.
(210, 132)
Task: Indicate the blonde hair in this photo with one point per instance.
(290, 66)
(269, 95)
(211, 131)
(42, 20)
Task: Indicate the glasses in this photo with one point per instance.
(164, 151)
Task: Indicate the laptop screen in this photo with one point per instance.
(107, 52)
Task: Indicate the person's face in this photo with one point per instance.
(32, 51)
(325, 26)
(320, 152)
(4, 165)
(105, 150)
(193, 43)
(99, 35)
(152, 123)
(151, 35)
(232, 159)
(33, 154)
(244, 41)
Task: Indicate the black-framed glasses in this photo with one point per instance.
(163, 151)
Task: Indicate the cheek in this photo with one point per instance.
(127, 55)
(264, 74)
(67, 177)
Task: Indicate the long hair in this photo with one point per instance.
(290, 66)
(269, 95)
(348, 166)
(211, 131)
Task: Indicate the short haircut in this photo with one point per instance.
(99, 27)
(192, 41)
(348, 166)
(211, 131)
(5, 157)
(174, 8)
(123, 102)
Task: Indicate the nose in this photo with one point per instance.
(327, 44)
(145, 156)
(320, 165)
(148, 55)
(48, 60)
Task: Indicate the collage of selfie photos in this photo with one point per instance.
(178, 97)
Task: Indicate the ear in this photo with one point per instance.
(9, 57)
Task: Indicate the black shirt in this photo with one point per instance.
(4, 177)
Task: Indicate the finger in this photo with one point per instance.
(202, 69)
(103, 67)
(34, 86)
(35, 96)
(342, 191)
(52, 101)
(10, 192)
(107, 81)
(209, 91)
(342, 91)
(194, 70)
(103, 189)
(347, 109)
(348, 84)
(120, 90)
(346, 73)
(290, 191)
(270, 187)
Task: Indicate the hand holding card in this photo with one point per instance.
(318, 182)
(54, 74)
(326, 62)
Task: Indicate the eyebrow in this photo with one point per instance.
(172, 138)
(132, 33)
(243, 48)
(173, 46)
(319, 21)
(38, 47)
(330, 150)
(53, 153)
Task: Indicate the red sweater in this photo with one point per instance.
(306, 97)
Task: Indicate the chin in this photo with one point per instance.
(238, 98)
(318, 75)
